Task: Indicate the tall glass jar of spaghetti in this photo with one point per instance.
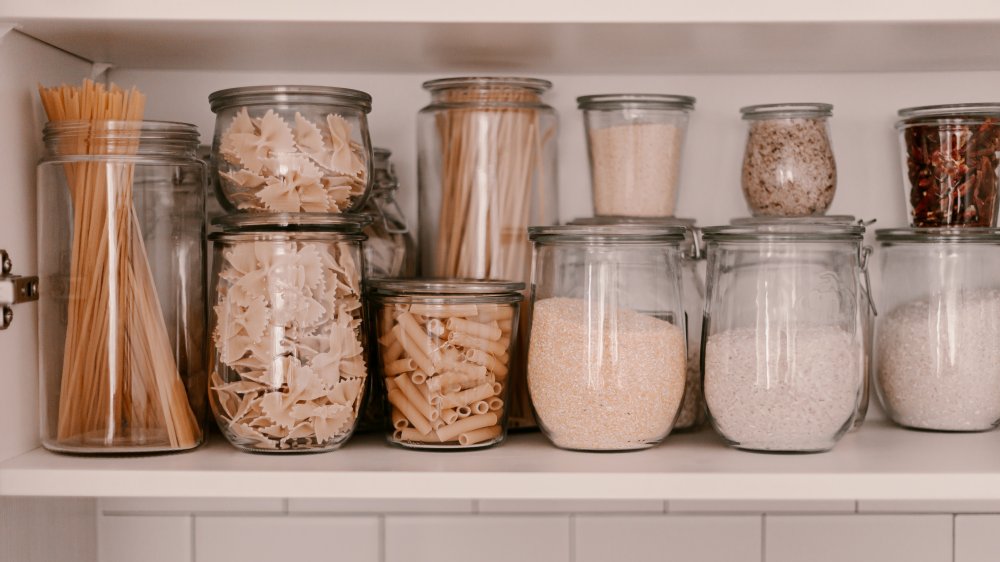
(487, 170)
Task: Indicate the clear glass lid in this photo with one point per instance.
(936, 235)
(787, 111)
(636, 101)
(607, 233)
(785, 232)
(275, 95)
(343, 222)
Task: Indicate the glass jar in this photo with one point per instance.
(606, 364)
(868, 326)
(291, 149)
(288, 372)
(389, 250)
(634, 144)
(788, 165)
(487, 169)
(783, 343)
(445, 357)
(122, 332)
(937, 352)
(951, 161)
(692, 411)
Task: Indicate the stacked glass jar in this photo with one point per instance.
(292, 165)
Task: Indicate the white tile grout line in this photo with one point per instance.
(381, 538)
(572, 537)
(954, 544)
(763, 537)
(194, 528)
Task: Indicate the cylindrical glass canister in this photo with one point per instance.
(951, 163)
(445, 349)
(487, 169)
(291, 149)
(937, 356)
(606, 364)
(868, 325)
(692, 412)
(390, 251)
(288, 372)
(788, 165)
(635, 143)
(121, 313)
(783, 343)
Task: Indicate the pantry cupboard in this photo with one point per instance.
(866, 59)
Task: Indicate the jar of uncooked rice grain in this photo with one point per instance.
(288, 370)
(445, 357)
(783, 347)
(937, 352)
(606, 359)
(692, 411)
(635, 143)
(788, 165)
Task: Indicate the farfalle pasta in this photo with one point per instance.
(308, 151)
(289, 368)
(445, 365)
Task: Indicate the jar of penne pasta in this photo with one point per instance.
(288, 372)
(445, 349)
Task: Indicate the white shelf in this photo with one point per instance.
(881, 462)
(522, 36)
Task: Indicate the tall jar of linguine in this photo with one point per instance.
(487, 167)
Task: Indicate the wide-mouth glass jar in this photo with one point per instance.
(951, 159)
(487, 169)
(390, 250)
(445, 358)
(288, 363)
(783, 343)
(937, 352)
(607, 356)
(121, 314)
(635, 143)
(788, 166)
(692, 411)
(291, 149)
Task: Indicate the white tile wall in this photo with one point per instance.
(931, 506)
(571, 506)
(647, 538)
(154, 538)
(977, 538)
(753, 506)
(192, 505)
(316, 505)
(858, 538)
(272, 539)
(483, 538)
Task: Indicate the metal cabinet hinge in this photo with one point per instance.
(14, 289)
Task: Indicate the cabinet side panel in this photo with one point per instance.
(24, 62)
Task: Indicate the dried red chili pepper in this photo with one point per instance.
(952, 169)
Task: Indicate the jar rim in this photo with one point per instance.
(788, 232)
(347, 223)
(931, 235)
(258, 95)
(787, 110)
(948, 111)
(445, 287)
(538, 85)
(608, 233)
(820, 219)
(622, 220)
(636, 101)
(125, 130)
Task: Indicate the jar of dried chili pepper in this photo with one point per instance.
(951, 156)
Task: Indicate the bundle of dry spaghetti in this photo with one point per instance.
(493, 173)
(120, 385)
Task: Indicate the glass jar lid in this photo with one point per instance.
(607, 234)
(447, 290)
(120, 138)
(821, 219)
(636, 101)
(787, 111)
(344, 222)
(275, 95)
(975, 112)
(786, 232)
(536, 85)
(623, 220)
(963, 235)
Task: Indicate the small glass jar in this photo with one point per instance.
(692, 412)
(951, 161)
(788, 165)
(445, 357)
(607, 357)
(487, 169)
(937, 352)
(783, 344)
(121, 332)
(635, 143)
(288, 371)
(389, 250)
(868, 326)
(291, 149)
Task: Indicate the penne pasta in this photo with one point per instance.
(465, 340)
(398, 399)
(480, 357)
(416, 399)
(449, 432)
(487, 312)
(466, 397)
(399, 366)
(480, 407)
(489, 331)
(479, 435)
(411, 349)
(444, 310)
